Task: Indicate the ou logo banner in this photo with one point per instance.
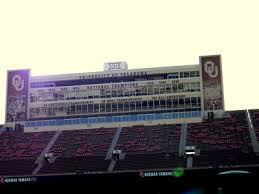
(211, 69)
(18, 83)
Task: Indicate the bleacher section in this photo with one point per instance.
(148, 147)
(217, 158)
(149, 161)
(18, 151)
(255, 120)
(76, 164)
(221, 140)
(149, 139)
(80, 150)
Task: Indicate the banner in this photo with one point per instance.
(17, 95)
(212, 82)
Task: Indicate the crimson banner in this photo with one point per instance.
(17, 95)
(212, 82)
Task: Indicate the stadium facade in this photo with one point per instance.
(119, 128)
(116, 97)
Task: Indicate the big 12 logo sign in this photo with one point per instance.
(114, 66)
(122, 65)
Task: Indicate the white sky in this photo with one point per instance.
(67, 36)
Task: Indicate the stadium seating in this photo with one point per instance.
(224, 158)
(149, 161)
(83, 143)
(18, 151)
(80, 150)
(220, 141)
(76, 164)
(149, 147)
(17, 167)
(149, 139)
(255, 119)
(217, 136)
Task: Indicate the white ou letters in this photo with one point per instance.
(211, 69)
(18, 83)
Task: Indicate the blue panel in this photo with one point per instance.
(133, 117)
(52, 122)
(60, 122)
(158, 116)
(45, 123)
(75, 121)
(90, 120)
(127, 117)
(99, 120)
(68, 122)
(167, 116)
(38, 123)
(140, 117)
(109, 119)
(84, 120)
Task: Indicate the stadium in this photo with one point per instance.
(147, 124)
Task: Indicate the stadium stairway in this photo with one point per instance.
(112, 165)
(40, 159)
(111, 148)
(113, 143)
(182, 143)
(252, 132)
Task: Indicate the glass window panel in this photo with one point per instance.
(162, 104)
(126, 106)
(90, 108)
(108, 107)
(175, 103)
(144, 105)
(181, 103)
